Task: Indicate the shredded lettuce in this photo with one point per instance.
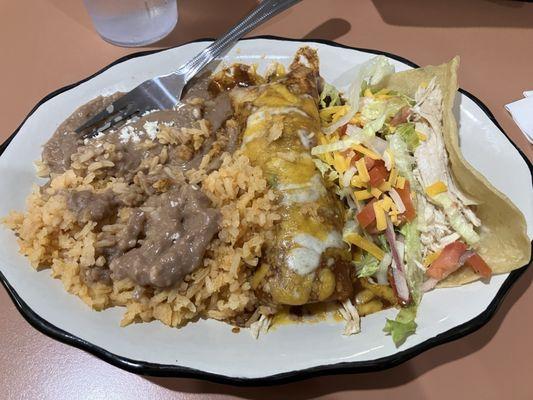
(413, 254)
(383, 243)
(375, 108)
(332, 176)
(330, 96)
(404, 229)
(339, 145)
(403, 326)
(372, 71)
(368, 266)
(382, 273)
(379, 69)
(406, 100)
(327, 172)
(321, 166)
(371, 266)
(404, 161)
(368, 137)
(367, 134)
(396, 103)
(457, 220)
(370, 129)
(408, 134)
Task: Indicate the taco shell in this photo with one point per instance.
(504, 243)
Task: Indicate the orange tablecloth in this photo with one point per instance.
(47, 44)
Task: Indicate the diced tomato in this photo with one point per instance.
(366, 216)
(401, 116)
(479, 266)
(355, 158)
(372, 228)
(378, 173)
(405, 195)
(342, 130)
(447, 262)
(369, 162)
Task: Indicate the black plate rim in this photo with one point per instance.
(163, 370)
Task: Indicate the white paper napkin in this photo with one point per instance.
(522, 113)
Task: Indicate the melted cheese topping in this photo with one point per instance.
(306, 258)
(303, 193)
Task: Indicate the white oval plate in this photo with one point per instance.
(208, 349)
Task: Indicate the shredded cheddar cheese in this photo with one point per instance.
(366, 152)
(333, 113)
(436, 188)
(339, 114)
(356, 120)
(422, 137)
(376, 192)
(365, 244)
(361, 168)
(340, 163)
(430, 258)
(362, 194)
(323, 139)
(383, 94)
(328, 158)
(385, 187)
(357, 182)
(381, 221)
(383, 91)
(387, 203)
(400, 182)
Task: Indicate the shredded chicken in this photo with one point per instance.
(448, 239)
(433, 225)
(432, 152)
(432, 166)
(260, 327)
(351, 316)
(471, 216)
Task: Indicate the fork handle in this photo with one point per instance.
(263, 12)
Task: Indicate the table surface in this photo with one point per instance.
(52, 44)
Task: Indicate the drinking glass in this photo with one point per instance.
(132, 23)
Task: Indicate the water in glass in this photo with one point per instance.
(133, 22)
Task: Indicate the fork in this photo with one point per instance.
(164, 92)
